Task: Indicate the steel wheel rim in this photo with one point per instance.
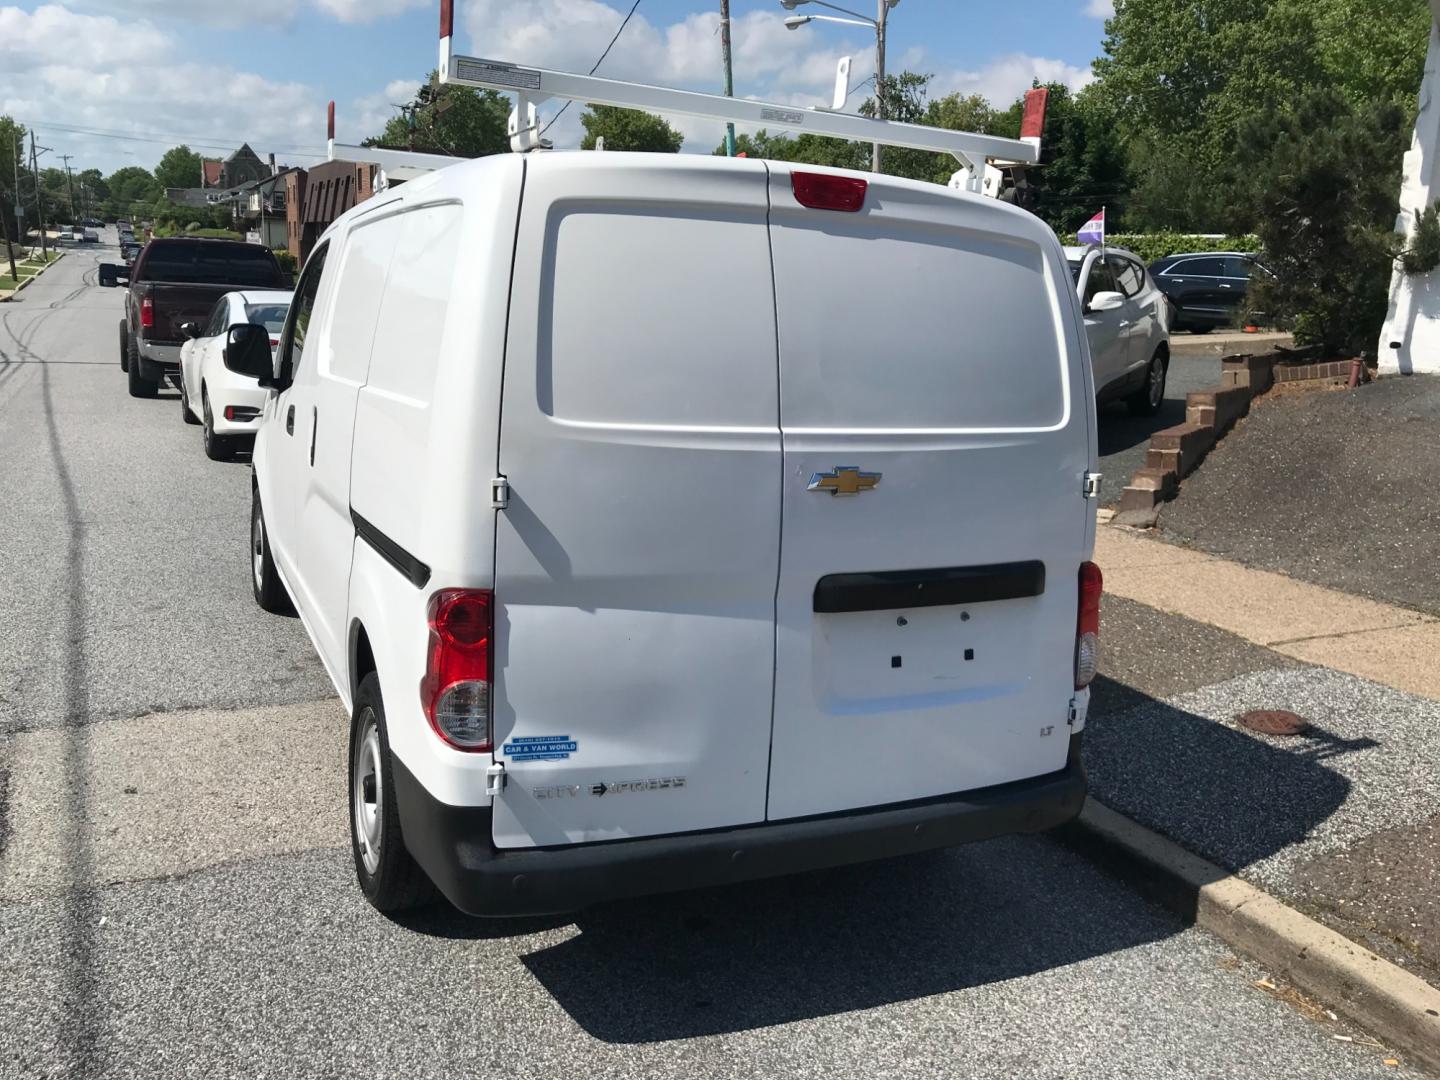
(1157, 381)
(368, 797)
(257, 548)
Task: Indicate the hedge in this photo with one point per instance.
(1152, 246)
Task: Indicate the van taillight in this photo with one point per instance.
(1087, 629)
(147, 311)
(821, 192)
(455, 692)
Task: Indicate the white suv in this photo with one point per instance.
(1127, 319)
(650, 547)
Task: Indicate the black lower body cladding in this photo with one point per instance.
(452, 844)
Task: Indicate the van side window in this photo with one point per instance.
(301, 308)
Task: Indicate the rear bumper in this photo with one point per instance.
(158, 358)
(452, 844)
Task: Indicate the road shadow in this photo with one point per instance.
(1118, 430)
(754, 955)
(1218, 790)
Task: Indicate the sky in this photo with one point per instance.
(117, 82)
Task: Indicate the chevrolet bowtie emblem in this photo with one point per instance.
(843, 480)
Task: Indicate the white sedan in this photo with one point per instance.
(1127, 320)
(227, 404)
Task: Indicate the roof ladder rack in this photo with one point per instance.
(981, 157)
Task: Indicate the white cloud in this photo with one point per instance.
(364, 11)
(108, 77)
(1007, 77)
(367, 115)
(251, 12)
(1100, 9)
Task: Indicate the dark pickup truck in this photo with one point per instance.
(175, 281)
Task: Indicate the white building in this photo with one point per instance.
(1410, 340)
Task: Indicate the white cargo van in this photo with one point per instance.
(670, 520)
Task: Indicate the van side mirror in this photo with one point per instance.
(247, 352)
(111, 275)
(190, 330)
(1106, 301)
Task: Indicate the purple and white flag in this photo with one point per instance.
(1093, 231)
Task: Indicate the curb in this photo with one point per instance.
(1385, 999)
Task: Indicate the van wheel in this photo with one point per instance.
(217, 447)
(139, 386)
(1147, 400)
(186, 413)
(124, 348)
(265, 580)
(390, 879)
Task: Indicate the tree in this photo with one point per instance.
(628, 129)
(1082, 162)
(457, 120)
(178, 168)
(1323, 179)
(12, 142)
(131, 189)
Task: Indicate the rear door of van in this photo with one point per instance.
(637, 559)
(935, 412)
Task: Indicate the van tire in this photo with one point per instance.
(138, 385)
(1148, 400)
(389, 877)
(265, 580)
(124, 348)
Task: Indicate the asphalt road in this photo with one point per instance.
(176, 898)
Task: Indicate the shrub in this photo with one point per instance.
(285, 259)
(1422, 254)
(1152, 246)
(1324, 180)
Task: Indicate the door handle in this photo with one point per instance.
(290, 421)
(314, 424)
(1227, 286)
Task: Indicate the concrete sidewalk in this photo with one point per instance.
(1390, 645)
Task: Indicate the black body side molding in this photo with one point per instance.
(391, 552)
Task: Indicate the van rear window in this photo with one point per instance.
(242, 265)
(891, 325)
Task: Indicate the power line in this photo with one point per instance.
(624, 23)
(158, 137)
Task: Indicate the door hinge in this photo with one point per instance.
(1091, 487)
(499, 493)
(1074, 713)
(495, 778)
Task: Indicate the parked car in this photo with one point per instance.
(618, 605)
(1209, 289)
(172, 282)
(130, 250)
(67, 232)
(1127, 322)
(227, 404)
(89, 236)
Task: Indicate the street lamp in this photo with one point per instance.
(794, 22)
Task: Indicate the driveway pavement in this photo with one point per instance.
(1334, 488)
(177, 900)
(1340, 821)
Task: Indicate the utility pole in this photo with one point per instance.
(6, 211)
(39, 204)
(729, 75)
(884, 10)
(69, 183)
